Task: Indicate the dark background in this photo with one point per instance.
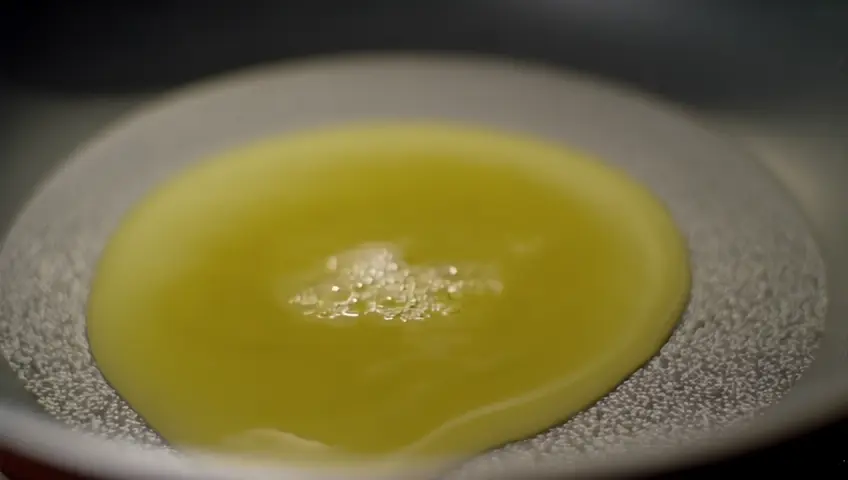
(703, 51)
(766, 57)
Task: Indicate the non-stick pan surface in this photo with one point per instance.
(724, 201)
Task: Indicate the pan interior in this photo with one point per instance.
(757, 304)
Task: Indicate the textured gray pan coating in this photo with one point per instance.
(751, 328)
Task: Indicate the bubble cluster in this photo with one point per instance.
(373, 279)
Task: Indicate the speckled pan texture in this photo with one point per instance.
(757, 307)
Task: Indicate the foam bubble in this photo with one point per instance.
(374, 279)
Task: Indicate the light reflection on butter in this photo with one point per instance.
(261, 439)
(374, 279)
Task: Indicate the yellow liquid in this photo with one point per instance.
(400, 289)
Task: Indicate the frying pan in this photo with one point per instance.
(738, 129)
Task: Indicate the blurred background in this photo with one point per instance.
(773, 76)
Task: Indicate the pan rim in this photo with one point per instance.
(31, 437)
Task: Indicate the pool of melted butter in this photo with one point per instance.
(381, 290)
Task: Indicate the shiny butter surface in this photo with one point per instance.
(383, 289)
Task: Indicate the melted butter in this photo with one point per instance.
(381, 290)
